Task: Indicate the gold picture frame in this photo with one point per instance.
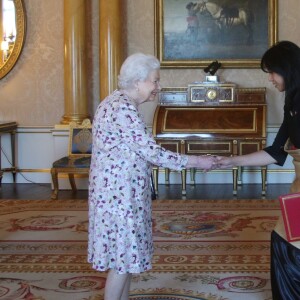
(186, 37)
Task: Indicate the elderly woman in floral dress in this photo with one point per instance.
(120, 228)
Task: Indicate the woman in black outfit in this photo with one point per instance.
(282, 63)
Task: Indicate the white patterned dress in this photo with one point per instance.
(120, 227)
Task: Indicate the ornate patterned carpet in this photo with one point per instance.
(207, 250)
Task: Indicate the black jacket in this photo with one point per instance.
(290, 128)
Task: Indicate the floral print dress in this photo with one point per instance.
(120, 227)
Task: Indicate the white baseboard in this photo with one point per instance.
(39, 147)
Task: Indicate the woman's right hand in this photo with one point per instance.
(225, 162)
(205, 162)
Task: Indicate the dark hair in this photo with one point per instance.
(283, 58)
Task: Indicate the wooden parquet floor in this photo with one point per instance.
(199, 191)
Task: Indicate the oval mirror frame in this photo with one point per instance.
(20, 38)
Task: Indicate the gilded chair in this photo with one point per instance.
(78, 159)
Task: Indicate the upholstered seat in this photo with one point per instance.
(79, 156)
(70, 162)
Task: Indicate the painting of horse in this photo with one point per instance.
(226, 17)
(196, 32)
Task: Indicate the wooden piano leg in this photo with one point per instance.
(183, 181)
(155, 178)
(235, 178)
(167, 176)
(263, 179)
(193, 174)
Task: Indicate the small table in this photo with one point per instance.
(9, 128)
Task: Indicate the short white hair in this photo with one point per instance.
(136, 67)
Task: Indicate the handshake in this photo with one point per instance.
(210, 162)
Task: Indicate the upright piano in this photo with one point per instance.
(213, 119)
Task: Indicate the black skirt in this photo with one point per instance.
(285, 269)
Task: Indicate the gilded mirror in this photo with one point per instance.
(12, 33)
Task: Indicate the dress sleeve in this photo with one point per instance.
(293, 117)
(132, 131)
(277, 148)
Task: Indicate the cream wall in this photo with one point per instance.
(33, 92)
